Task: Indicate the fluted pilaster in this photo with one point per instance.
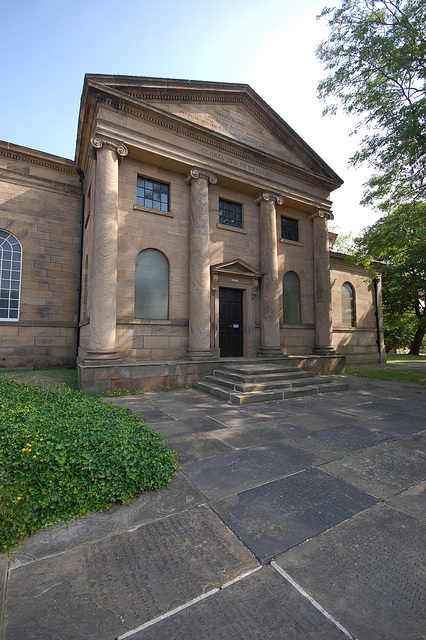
(199, 342)
(104, 252)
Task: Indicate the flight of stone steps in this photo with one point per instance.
(246, 383)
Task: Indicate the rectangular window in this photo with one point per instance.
(152, 194)
(289, 229)
(230, 214)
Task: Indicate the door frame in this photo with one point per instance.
(235, 274)
(230, 312)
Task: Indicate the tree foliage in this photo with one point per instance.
(376, 56)
(344, 242)
(398, 241)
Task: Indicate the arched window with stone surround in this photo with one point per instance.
(291, 299)
(152, 285)
(10, 276)
(348, 305)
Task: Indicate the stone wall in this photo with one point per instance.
(358, 342)
(40, 205)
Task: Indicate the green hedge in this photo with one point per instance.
(63, 453)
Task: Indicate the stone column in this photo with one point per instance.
(322, 284)
(103, 285)
(199, 266)
(270, 312)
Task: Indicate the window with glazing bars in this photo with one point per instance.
(10, 276)
(289, 229)
(152, 194)
(230, 213)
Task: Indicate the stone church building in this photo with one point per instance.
(191, 227)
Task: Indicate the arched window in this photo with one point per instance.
(291, 299)
(152, 285)
(348, 305)
(10, 276)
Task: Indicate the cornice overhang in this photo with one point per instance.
(103, 89)
(39, 158)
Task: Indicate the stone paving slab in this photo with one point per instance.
(250, 435)
(281, 457)
(416, 442)
(322, 418)
(241, 470)
(197, 447)
(279, 515)
(104, 589)
(187, 427)
(147, 410)
(143, 509)
(368, 573)
(236, 416)
(398, 425)
(336, 442)
(262, 606)
(412, 501)
(383, 470)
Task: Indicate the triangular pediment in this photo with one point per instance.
(236, 267)
(234, 122)
(232, 111)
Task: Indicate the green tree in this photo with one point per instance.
(376, 56)
(344, 242)
(398, 240)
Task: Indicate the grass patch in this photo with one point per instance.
(404, 357)
(44, 377)
(413, 377)
(64, 453)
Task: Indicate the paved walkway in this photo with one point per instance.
(295, 519)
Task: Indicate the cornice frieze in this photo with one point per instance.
(14, 155)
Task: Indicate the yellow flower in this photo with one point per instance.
(19, 498)
(34, 456)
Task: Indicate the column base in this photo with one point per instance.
(199, 354)
(324, 351)
(102, 358)
(271, 352)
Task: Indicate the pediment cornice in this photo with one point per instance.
(236, 267)
(134, 101)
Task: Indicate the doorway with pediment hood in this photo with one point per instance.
(234, 286)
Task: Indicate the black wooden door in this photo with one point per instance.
(230, 323)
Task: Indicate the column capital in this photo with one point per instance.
(100, 141)
(201, 173)
(322, 213)
(269, 195)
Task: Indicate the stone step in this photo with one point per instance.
(237, 397)
(236, 385)
(259, 377)
(261, 368)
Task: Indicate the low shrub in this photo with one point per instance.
(64, 453)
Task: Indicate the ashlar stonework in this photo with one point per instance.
(163, 247)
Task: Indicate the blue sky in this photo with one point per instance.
(48, 46)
